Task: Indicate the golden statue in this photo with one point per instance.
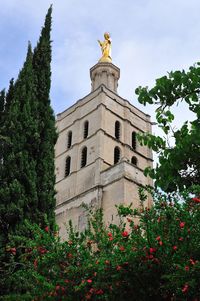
(106, 49)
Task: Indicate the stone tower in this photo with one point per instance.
(98, 158)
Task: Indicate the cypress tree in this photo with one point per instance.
(45, 149)
(28, 134)
(18, 175)
(27, 171)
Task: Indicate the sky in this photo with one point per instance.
(149, 38)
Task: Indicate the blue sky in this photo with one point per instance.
(150, 37)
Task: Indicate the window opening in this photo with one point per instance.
(134, 140)
(69, 139)
(116, 155)
(84, 157)
(67, 166)
(86, 127)
(117, 130)
(134, 160)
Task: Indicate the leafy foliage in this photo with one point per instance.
(157, 259)
(179, 166)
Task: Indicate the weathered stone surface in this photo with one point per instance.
(100, 182)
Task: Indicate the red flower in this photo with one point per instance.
(196, 200)
(42, 250)
(187, 268)
(175, 248)
(125, 234)
(160, 243)
(13, 251)
(152, 250)
(46, 229)
(182, 224)
(69, 255)
(158, 238)
(35, 263)
(121, 248)
(110, 238)
(192, 261)
(180, 239)
(99, 292)
(129, 220)
(118, 268)
(89, 280)
(185, 288)
(109, 234)
(107, 261)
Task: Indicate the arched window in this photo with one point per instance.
(134, 140)
(67, 166)
(69, 139)
(84, 157)
(134, 160)
(116, 154)
(85, 131)
(117, 130)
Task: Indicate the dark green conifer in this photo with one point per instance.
(27, 137)
(45, 149)
(27, 174)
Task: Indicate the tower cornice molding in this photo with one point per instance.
(105, 74)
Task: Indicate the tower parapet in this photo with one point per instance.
(106, 74)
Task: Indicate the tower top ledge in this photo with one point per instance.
(105, 73)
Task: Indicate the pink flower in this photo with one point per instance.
(187, 268)
(185, 288)
(46, 229)
(89, 280)
(175, 248)
(13, 251)
(99, 292)
(125, 234)
(182, 224)
(158, 238)
(160, 243)
(152, 250)
(118, 268)
(192, 261)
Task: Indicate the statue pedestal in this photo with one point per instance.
(105, 74)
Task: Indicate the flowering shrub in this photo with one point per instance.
(157, 259)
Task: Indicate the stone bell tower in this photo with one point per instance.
(99, 161)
